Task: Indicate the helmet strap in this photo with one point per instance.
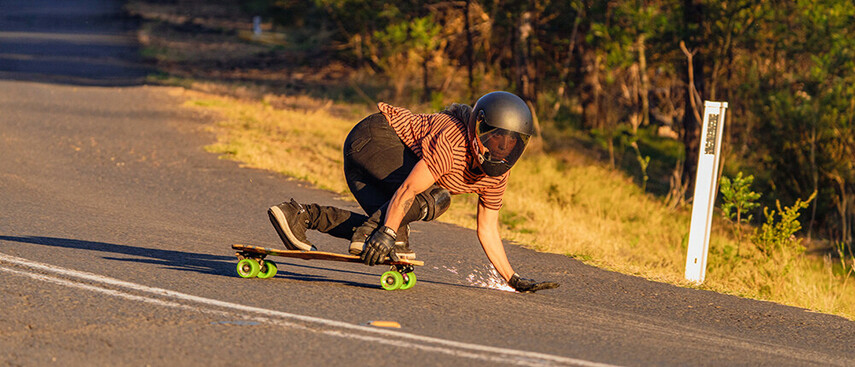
(479, 149)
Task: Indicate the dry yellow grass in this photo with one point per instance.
(582, 210)
(302, 144)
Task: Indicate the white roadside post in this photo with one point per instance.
(706, 185)
(256, 26)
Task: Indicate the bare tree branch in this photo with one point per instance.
(694, 96)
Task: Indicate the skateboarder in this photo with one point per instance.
(403, 167)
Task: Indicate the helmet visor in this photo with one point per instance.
(500, 145)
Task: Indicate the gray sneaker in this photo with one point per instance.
(291, 221)
(402, 245)
(357, 242)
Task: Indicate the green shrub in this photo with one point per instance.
(737, 200)
(780, 235)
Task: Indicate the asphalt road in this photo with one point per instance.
(115, 229)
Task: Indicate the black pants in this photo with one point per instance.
(376, 163)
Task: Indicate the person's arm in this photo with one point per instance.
(382, 241)
(419, 180)
(491, 241)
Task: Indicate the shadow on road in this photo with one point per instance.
(179, 260)
(183, 261)
(200, 263)
(79, 42)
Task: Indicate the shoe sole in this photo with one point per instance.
(407, 256)
(356, 249)
(277, 218)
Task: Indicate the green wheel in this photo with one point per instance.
(411, 281)
(391, 280)
(248, 268)
(268, 270)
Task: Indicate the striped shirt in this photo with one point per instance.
(440, 140)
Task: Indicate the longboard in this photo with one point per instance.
(252, 264)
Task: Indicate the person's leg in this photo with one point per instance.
(376, 164)
(292, 219)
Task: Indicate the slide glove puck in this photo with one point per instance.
(524, 285)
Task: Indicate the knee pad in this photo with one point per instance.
(433, 202)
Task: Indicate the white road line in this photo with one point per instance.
(159, 302)
(285, 319)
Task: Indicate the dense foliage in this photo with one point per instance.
(628, 68)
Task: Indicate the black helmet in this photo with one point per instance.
(500, 126)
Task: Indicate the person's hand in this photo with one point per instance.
(379, 245)
(524, 285)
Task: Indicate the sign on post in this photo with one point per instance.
(706, 186)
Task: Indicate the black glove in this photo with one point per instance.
(529, 285)
(379, 245)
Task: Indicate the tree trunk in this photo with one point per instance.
(525, 30)
(591, 88)
(842, 207)
(469, 50)
(645, 82)
(815, 175)
(691, 122)
(537, 144)
(426, 78)
(693, 18)
(533, 64)
(565, 68)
